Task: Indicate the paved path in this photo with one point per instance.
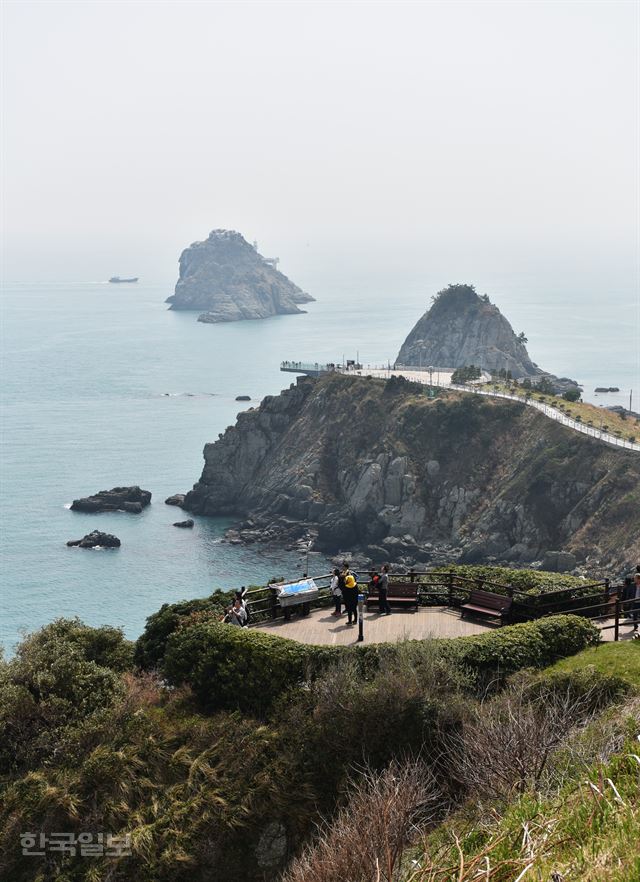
(321, 628)
(442, 378)
(626, 629)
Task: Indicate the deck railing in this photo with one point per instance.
(593, 600)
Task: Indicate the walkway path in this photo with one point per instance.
(443, 379)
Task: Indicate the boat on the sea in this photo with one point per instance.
(116, 280)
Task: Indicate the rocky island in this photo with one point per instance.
(130, 499)
(462, 328)
(96, 539)
(228, 280)
(359, 464)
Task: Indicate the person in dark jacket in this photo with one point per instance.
(383, 587)
(350, 595)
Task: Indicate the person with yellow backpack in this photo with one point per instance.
(350, 594)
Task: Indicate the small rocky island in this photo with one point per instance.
(130, 499)
(96, 539)
(230, 281)
(462, 328)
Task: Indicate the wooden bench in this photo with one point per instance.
(405, 593)
(485, 603)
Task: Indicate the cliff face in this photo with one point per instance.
(226, 277)
(373, 466)
(461, 329)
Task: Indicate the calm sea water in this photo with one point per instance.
(103, 386)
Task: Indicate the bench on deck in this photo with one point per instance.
(485, 603)
(405, 593)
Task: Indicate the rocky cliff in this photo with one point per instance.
(227, 278)
(356, 463)
(461, 329)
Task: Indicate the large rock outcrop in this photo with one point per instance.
(131, 499)
(357, 463)
(461, 329)
(227, 278)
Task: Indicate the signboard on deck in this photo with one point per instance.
(297, 592)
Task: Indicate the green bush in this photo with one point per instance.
(236, 668)
(233, 668)
(498, 653)
(533, 582)
(150, 646)
(62, 674)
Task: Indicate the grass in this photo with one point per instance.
(589, 414)
(588, 833)
(620, 659)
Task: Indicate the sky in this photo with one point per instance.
(462, 136)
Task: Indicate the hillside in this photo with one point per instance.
(227, 278)
(374, 466)
(250, 758)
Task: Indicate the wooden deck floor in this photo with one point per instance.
(321, 628)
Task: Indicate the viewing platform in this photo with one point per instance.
(321, 628)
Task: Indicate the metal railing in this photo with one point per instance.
(449, 589)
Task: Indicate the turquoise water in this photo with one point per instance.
(103, 386)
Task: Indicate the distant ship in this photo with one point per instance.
(115, 280)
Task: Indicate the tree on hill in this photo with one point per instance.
(464, 374)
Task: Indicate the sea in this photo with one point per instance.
(104, 386)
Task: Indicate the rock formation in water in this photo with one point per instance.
(131, 499)
(227, 278)
(462, 328)
(176, 499)
(96, 539)
(360, 464)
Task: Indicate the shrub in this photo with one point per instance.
(496, 654)
(150, 646)
(62, 674)
(243, 669)
(236, 668)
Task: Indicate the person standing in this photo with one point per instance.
(236, 615)
(336, 592)
(383, 587)
(636, 604)
(350, 596)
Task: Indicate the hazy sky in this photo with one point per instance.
(460, 135)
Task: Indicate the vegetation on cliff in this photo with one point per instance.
(363, 463)
(90, 743)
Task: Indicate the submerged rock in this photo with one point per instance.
(230, 280)
(187, 524)
(243, 398)
(96, 539)
(131, 499)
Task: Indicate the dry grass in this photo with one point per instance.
(589, 414)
